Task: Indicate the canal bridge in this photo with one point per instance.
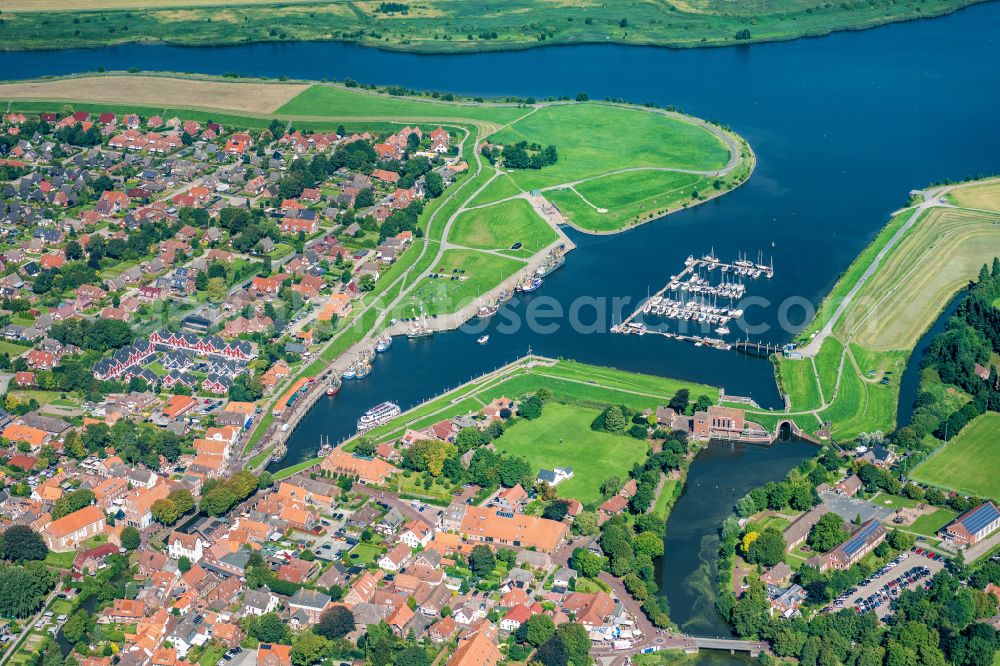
(731, 644)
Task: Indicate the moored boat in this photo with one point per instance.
(350, 373)
(534, 285)
(383, 344)
(378, 415)
(363, 371)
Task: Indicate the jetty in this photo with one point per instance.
(690, 296)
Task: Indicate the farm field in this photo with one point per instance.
(562, 438)
(499, 226)
(583, 132)
(939, 255)
(968, 462)
(437, 26)
(258, 98)
(983, 195)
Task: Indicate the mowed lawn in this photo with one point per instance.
(562, 438)
(625, 197)
(479, 272)
(324, 100)
(500, 226)
(594, 139)
(969, 462)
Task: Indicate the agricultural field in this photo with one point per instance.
(982, 195)
(500, 226)
(259, 98)
(562, 437)
(968, 462)
(937, 257)
(439, 26)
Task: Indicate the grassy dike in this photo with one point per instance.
(440, 26)
(853, 380)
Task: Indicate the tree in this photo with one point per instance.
(269, 628)
(182, 499)
(21, 543)
(130, 538)
(648, 543)
(537, 630)
(679, 403)
(309, 648)
(184, 564)
(433, 184)
(77, 626)
(557, 510)
(827, 533)
(165, 512)
(614, 419)
(767, 549)
(552, 653)
(585, 523)
(530, 408)
(22, 590)
(587, 563)
(71, 502)
(482, 561)
(217, 289)
(265, 480)
(335, 622)
(576, 642)
(414, 655)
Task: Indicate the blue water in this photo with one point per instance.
(843, 127)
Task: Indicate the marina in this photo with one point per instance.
(692, 298)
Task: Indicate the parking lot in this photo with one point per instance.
(876, 594)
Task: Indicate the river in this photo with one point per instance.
(843, 127)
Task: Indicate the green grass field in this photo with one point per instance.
(439, 26)
(562, 438)
(441, 295)
(799, 381)
(320, 101)
(626, 197)
(583, 133)
(968, 462)
(501, 188)
(500, 226)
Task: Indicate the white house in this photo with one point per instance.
(185, 545)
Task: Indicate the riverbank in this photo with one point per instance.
(847, 373)
(472, 26)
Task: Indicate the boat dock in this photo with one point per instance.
(691, 297)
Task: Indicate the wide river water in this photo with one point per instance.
(844, 126)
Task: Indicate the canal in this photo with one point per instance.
(844, 126)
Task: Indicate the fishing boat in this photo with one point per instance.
(378, 415)
(483, 340)
(534, 285)
(363, 371)
(333, 388)
(487, 311)
(419, 332)
(505, 295)
(350, 373)
(383, 344)
(547, 268)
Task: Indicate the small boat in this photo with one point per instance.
(534, 285)
(333, 388)
(483, 340)
(722, 330)
(350, 373)
(383, 344)
(505, 295)
(487, 311)
(363, 371)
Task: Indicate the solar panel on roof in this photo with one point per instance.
(980, 518)
(858, 540)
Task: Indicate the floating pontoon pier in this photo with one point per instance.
(691, 297)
